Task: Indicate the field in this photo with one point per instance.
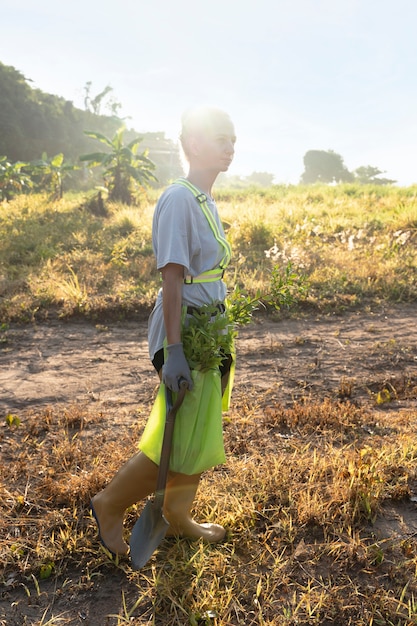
(318, 493)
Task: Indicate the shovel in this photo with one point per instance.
(151, 527)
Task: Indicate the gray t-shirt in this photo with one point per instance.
(181, 234)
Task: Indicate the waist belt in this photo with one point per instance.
(206, 277)
(194, 309)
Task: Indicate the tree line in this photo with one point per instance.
(45, 139)
(42, 137)
(326, 166)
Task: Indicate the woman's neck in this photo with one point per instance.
(202, 179)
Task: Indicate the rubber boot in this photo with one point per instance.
(179, 497)
(135, 480)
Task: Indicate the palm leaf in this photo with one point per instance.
(99, 137)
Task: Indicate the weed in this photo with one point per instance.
(72, 290)
(288, 287)
(12, 420)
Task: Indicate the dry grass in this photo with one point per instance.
(352, 244)
(303, 496)
(318, 496)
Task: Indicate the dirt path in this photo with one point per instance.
(63, 363)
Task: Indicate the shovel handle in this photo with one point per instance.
(171, 411)
(173, 408)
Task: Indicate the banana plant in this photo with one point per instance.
(52, 172)
(124, 169)
(12, 179)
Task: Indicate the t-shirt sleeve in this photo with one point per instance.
(174, 230)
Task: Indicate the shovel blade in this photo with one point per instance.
(147, 533)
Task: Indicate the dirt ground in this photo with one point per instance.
(67, 362)
(355, 355)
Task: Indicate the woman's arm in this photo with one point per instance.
(172, 282)
(176, 366)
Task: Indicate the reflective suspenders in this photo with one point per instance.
(218, 272)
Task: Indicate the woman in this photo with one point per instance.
(191, 253)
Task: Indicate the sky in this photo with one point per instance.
(294, 75)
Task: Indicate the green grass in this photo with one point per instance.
(350, 245)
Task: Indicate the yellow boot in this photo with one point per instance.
(179, 497)
(135, 480)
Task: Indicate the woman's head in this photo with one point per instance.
(207, 130)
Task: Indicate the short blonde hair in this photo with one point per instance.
(204, 120)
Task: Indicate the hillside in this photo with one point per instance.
(33, 122)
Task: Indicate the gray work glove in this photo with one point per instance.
(175, 368)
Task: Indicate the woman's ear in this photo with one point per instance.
(193, 146)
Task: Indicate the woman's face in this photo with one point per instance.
(213, 148)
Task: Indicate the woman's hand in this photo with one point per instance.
(175, 368)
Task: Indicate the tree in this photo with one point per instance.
(124, 169)
(33, 122)
(369, 175)
(325, 167)
(165, 154)
(94, 104)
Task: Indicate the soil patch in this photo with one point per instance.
(355, 355)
